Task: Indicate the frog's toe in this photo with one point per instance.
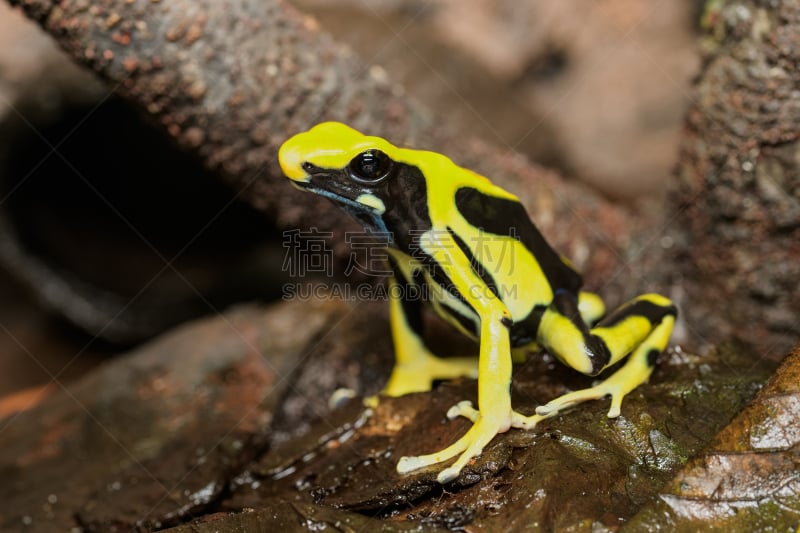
(340, 397)
(616, 405)
(464, 409)
(450, 473)
(521, 421)
(566, 401)
(550, 409)
(408, 464)
(476, 439)
(372, 401)
(592, 393)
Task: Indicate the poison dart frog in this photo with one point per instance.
(487, 270)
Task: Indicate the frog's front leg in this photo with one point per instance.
(494, 414)
(416, 368)
(642, 328)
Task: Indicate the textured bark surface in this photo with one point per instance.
(737, 197)
(229, 81)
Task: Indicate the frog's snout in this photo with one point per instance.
(290, 159)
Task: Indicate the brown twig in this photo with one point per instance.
(230, 81)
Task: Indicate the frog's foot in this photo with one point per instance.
(464, 409)
(418, 375)
(466, 448)
(632, 374)
(471, 444)
(615, 388)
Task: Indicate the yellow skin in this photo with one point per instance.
(489, 273)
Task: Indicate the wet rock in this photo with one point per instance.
(578, 468)
(177, 433)
(152, 437)
(746, 479)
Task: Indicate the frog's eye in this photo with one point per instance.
(370, 166)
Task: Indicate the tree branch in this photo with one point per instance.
(739, 227)
(230, 81)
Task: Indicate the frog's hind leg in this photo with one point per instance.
(641, 327)
(590, 307)
(416, 367)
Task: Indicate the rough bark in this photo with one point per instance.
(737, 197)
(227, 80)
(230, 81)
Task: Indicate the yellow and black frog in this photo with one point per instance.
(471, 248)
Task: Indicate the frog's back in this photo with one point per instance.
(455, 194)
(501, 217)
(493, 231)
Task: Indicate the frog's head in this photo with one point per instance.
(352, 169)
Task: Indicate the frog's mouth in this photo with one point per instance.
(368, 215)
